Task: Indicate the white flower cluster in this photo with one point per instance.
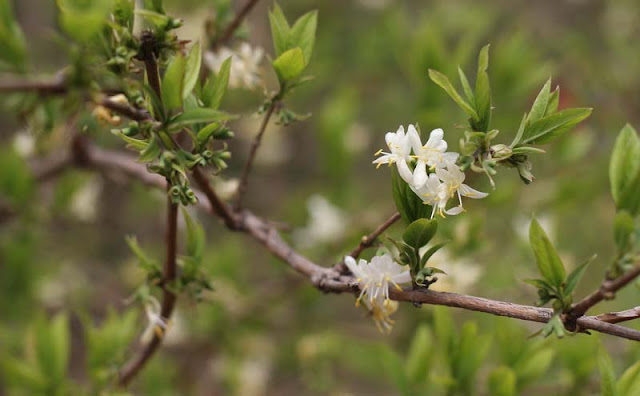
(435, 177)
(374, 279)
(245, 65)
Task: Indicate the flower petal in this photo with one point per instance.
(471, 193)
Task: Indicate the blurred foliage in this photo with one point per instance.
(67, 272)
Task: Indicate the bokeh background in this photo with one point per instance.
(266, 331)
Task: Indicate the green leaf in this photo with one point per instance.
(195, 236)
(427, 255)
(539, 107)
(146, 262)
(123, 11)
(216, 86)
(465, 86)
(155, 5)
(483, 92)
(409, 205)
(549, 263)
(159, 21)
(52, 347)
(538, 283)
(520, 133)
(575, 276)
(607, 375)
(151, 151)
(419, 233)
(623, 228)
(533, 365)
(192, 70)
(419, 356)
(553, 126)
(134, 143)
(444, 83)
(630, 197)
(502, 382)
(554, 100)
(303, 34)
(23, 375)
(172, 83)
(625, 161)
(629, 383)
(201, 115)
(83, 20)
(289, 65)
(279, 30)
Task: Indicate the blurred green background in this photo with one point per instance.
(266, 331)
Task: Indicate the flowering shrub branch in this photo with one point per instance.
(179, 133)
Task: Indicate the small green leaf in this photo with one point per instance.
(52, 347)
(289, 65)
(553, 126)
(151, 151)
(444, 83)
(159, 21)
(483, 92)
(419, 233)
(630, 196)
(607, 375)
(419, 356)
(554, 100)
(205, 133)
(216, 86)
(195, 236)
(172, 83)
(134, 143)
(192, 70)
(623, 228)
(466, 88)
(430, 252)
(303, 34)
(199, 116)
(527, 150)
(146, 262)
(279, 29)
(539, 107)
(549, 263)
(574, 277)
(502, 382)
(625, 161)
(538, 283)
(629, 382)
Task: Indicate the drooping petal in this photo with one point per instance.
(420, 175)
(454, 211)
(405, 172)
(471, 193)
(436, 141)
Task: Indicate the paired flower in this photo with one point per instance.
(245, 64)
(374, 279)
(435, 177)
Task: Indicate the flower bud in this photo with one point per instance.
(501, 151)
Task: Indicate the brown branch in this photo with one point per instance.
(244, 179)
(125, 110)
(133, 367)
(56, 87)
(327, 279)
(218, 207)
(228, 32)
(607, 290)
(622, 316)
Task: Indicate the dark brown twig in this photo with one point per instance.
(133, 367)
(607, 290)
(227, 34)
(244, 179)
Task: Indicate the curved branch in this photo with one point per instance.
(328, 279)
(227, 34)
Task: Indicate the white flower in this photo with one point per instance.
(452, 177)
(157, 324)
(432, 154)
(374, 279)
(84, 202)
(24, 143)
(400, 145)
(245, 64)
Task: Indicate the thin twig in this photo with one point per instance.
(368, 241)
(607, 290)
(218, 206)
(125, 110)
(227, 34)
(328, 279)
(621, 316)
(133, 367)
(55, 87)
(244, 179)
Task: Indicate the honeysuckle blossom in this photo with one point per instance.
(157, 324)
(245, 64)
(374, 279)
(435, 177)
(400, 145)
